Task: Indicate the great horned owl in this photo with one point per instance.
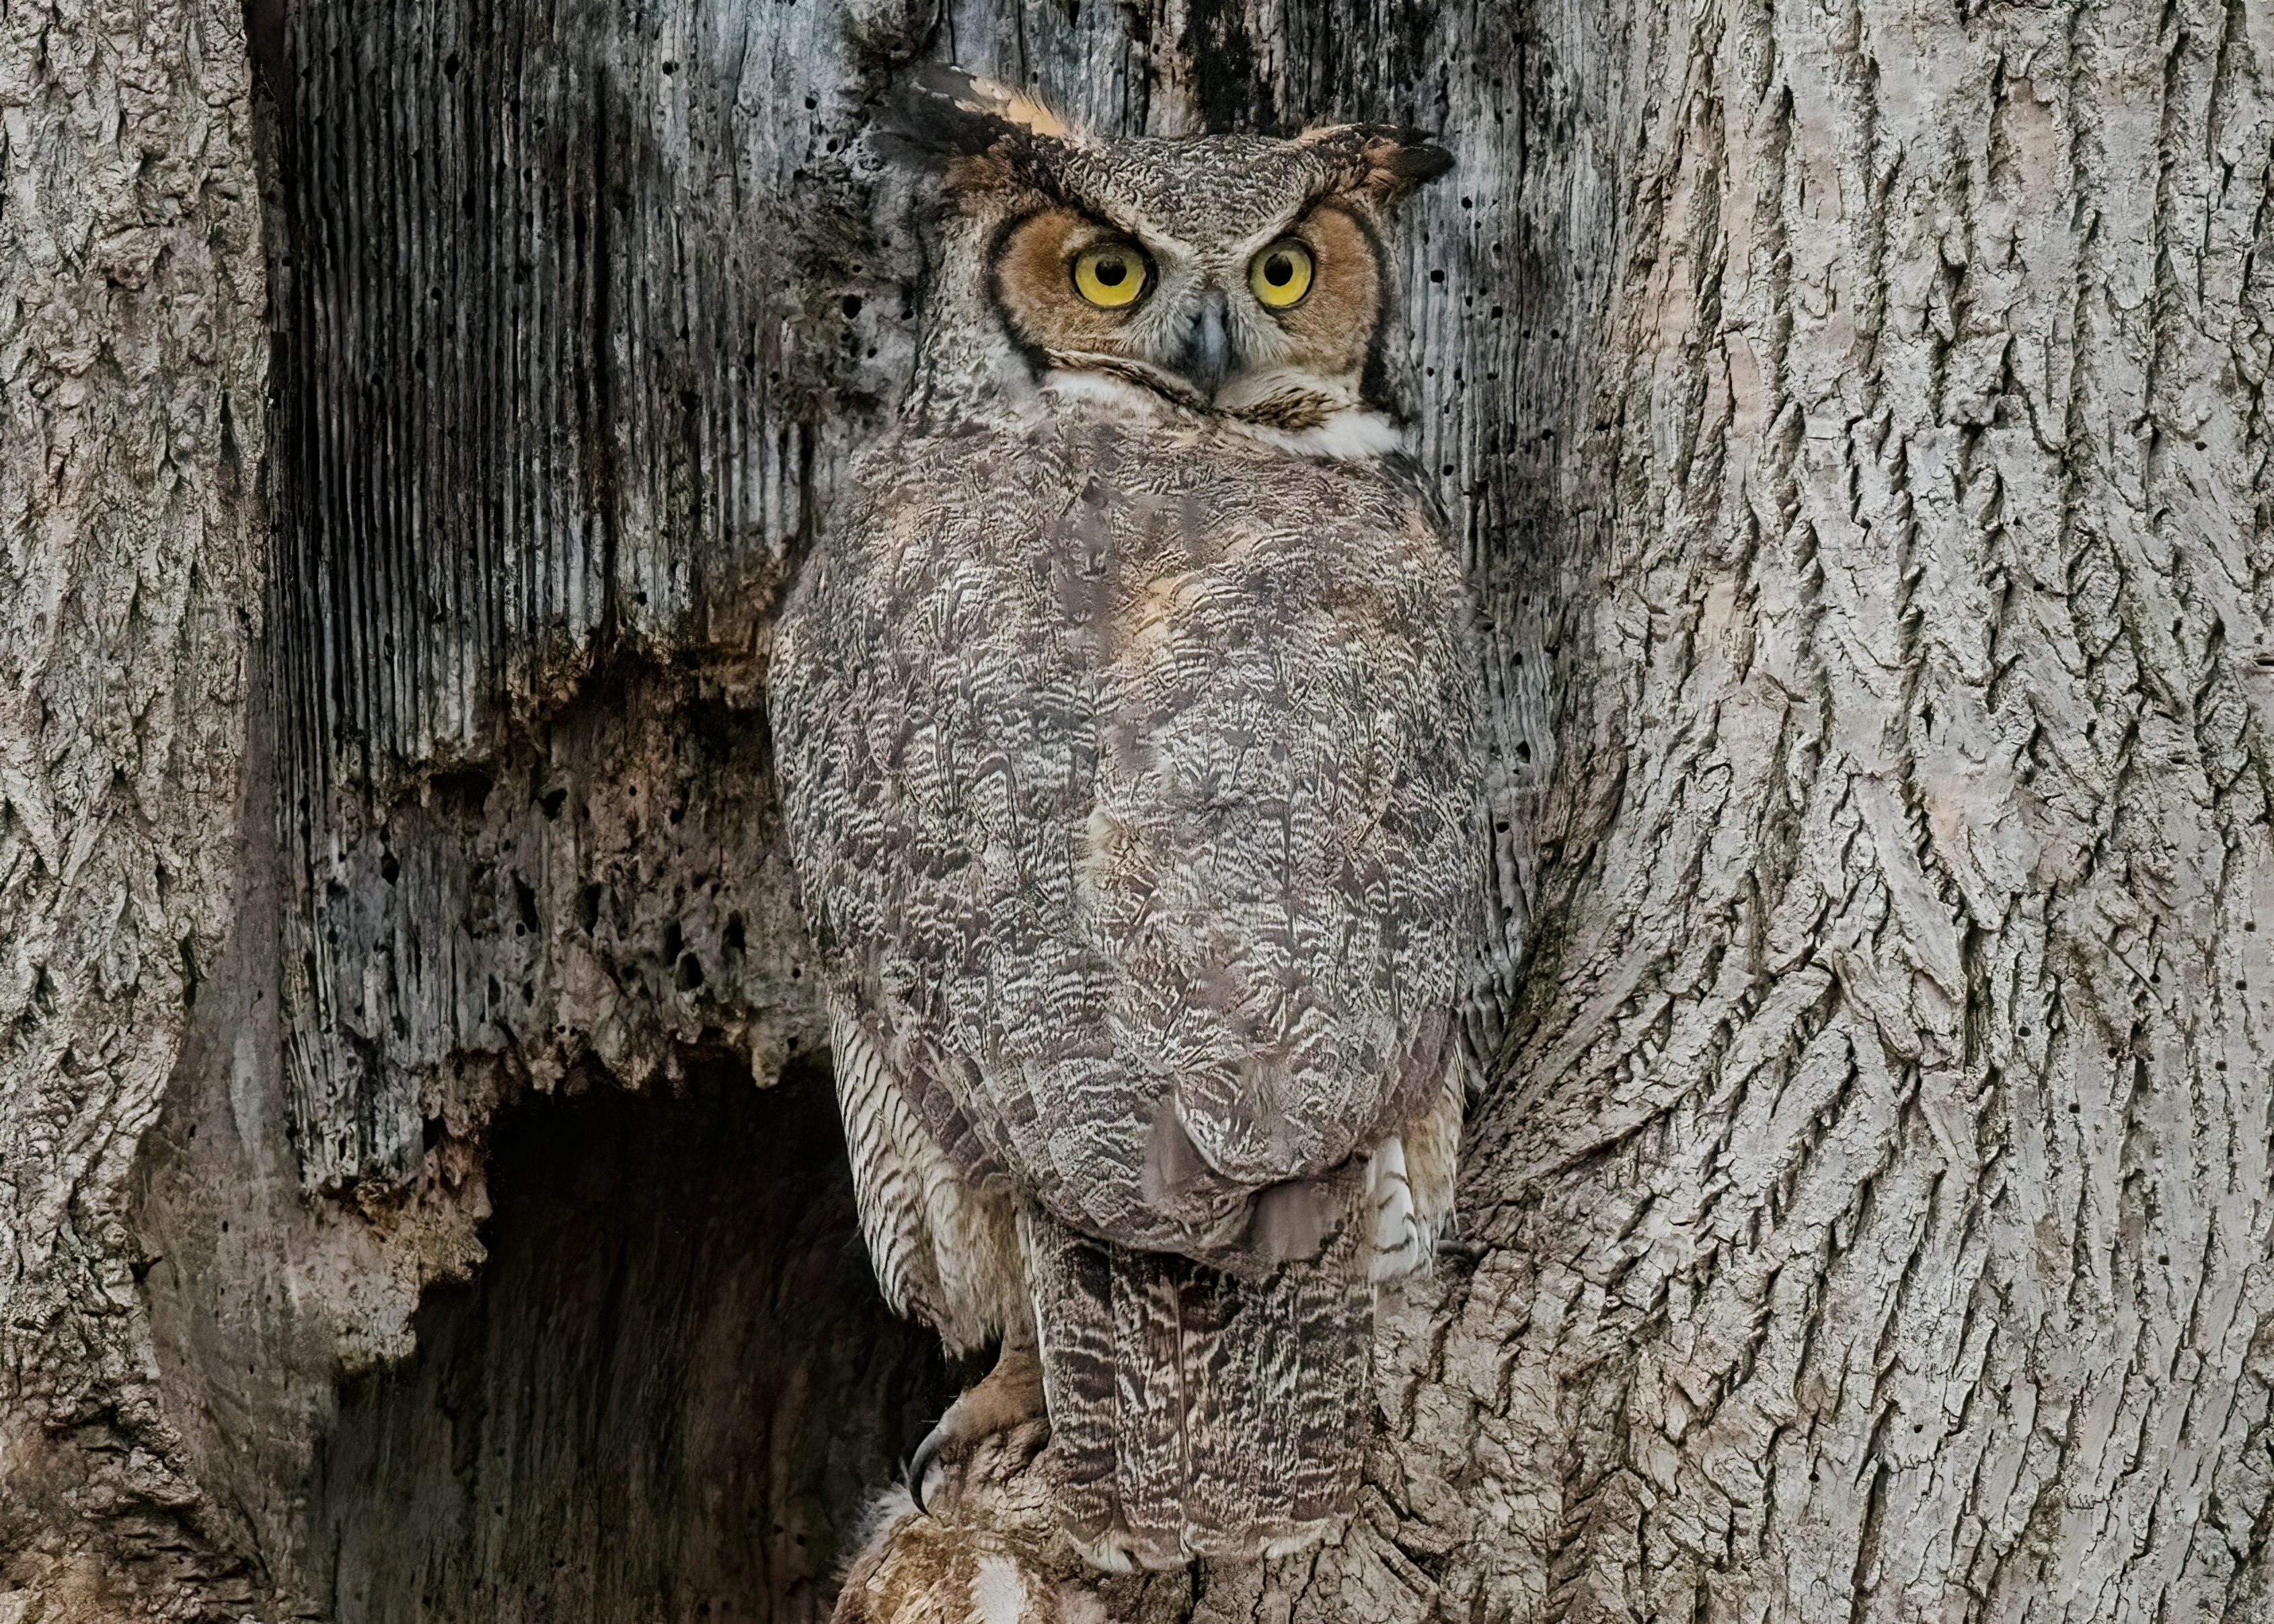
(1127, 726)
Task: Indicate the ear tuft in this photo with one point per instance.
(1386, 161)
(943, 113)
(1400, 160)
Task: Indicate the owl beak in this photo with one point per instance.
(1208, 346)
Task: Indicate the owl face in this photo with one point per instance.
(1237, 277)
(1269, 316)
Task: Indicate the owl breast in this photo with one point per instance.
(1133, 778)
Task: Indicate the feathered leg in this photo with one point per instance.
(1194, 1412)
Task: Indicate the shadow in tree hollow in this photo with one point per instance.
(663, 1397)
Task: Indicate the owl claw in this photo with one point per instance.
(919, 1464)
(1011, 1395)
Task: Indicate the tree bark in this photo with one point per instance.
(1850, 418)
(133, 428)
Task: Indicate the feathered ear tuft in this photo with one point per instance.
(979, 131)
(1398, 161)
(1386, 161)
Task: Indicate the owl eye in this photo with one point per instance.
(1111, 275)
(1281, 275)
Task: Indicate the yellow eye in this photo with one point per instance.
(1281, 275)
(1110, 275)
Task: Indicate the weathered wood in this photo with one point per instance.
(577, 314)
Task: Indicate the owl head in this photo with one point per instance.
(1239, 278)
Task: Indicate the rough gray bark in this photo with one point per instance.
(132, 422)
(1851, 416)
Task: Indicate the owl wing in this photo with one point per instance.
(1132, 792)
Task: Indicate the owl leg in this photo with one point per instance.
(1010, 1393)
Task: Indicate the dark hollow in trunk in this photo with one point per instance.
(663, 1397)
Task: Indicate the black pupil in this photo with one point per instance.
(1279, 270)
(1111, 271)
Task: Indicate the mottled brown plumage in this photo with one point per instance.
(1131, 769)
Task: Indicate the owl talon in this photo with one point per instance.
(1010, 1396)
(919, 1464)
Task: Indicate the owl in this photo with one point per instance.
(1126, 721)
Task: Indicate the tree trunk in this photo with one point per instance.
(1850, 420)
(132, 422)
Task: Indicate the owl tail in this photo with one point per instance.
(1195, 1412)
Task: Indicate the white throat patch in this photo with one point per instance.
(1346, 436)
